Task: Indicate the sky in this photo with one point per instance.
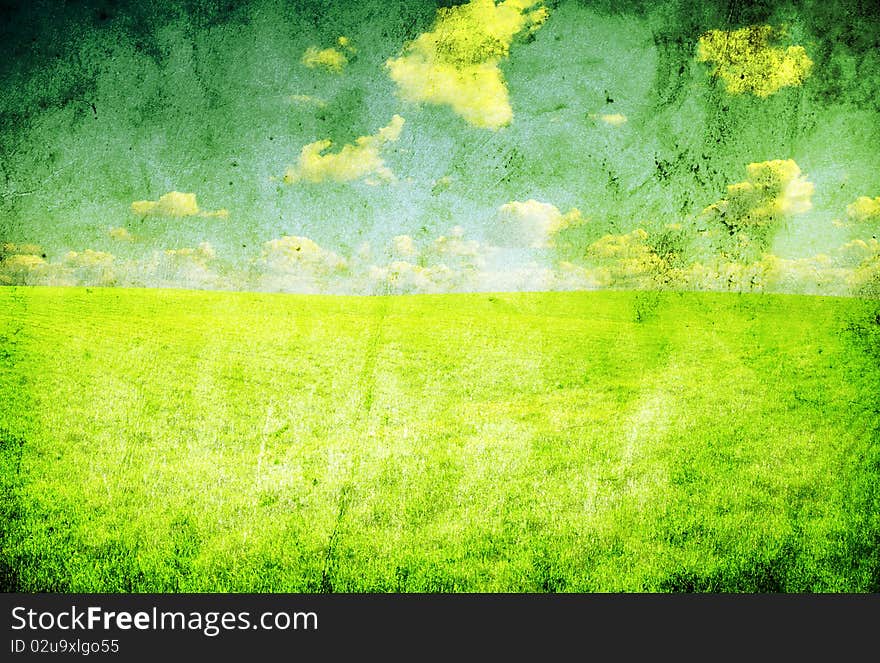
(407, 146)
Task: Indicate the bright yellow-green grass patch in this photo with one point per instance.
(193, 441)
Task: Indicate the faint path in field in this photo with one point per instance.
(367, 380)
(365, 387)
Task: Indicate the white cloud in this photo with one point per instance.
(531, 224)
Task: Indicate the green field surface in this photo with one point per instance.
(177, 441)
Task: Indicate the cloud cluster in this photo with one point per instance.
(448, 263)
(172, 268)
(352, 162)
(298, 264)
(864, 209)
(627, 260)
(456, 63)
(174, 204)
(453, 263)
(748, 62)
(21, 264)
(332, 59)
(22, 269)
(772, 191)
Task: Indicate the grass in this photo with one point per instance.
(171, 441)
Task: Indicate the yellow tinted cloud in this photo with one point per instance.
(307, 99)
(773, 189)
(291, 253)
(352, 162)
(746, 60)
(611, 119)
(331, 59)
(202, 254)
(718, 274)
(21, 268)
(328, 58)
(865, 279)
(456, 63)
(861, 249)
(864, 209)
(11, 248)
(298, 264)
(24, 261)
(629, 259)
(120, 234)
(88, 258)
(174, 204)
(454, 246)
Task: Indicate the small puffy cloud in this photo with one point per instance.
(403, 246)
(772, 190)
(454, 247)
(611, 119)
(174, 204)
(307, 100)
(531, 223)
(202, 254)
(291, 252)
(860, 249)
(456, 63)
(352, 162)
(10, 248)
(441, 184)
(747, 61)
(88, 258)
(864, 209)
(327, 58)
(120, 234)
(331, 59)
(23, 261)
(621, 245)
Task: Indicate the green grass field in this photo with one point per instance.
(172, 441)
